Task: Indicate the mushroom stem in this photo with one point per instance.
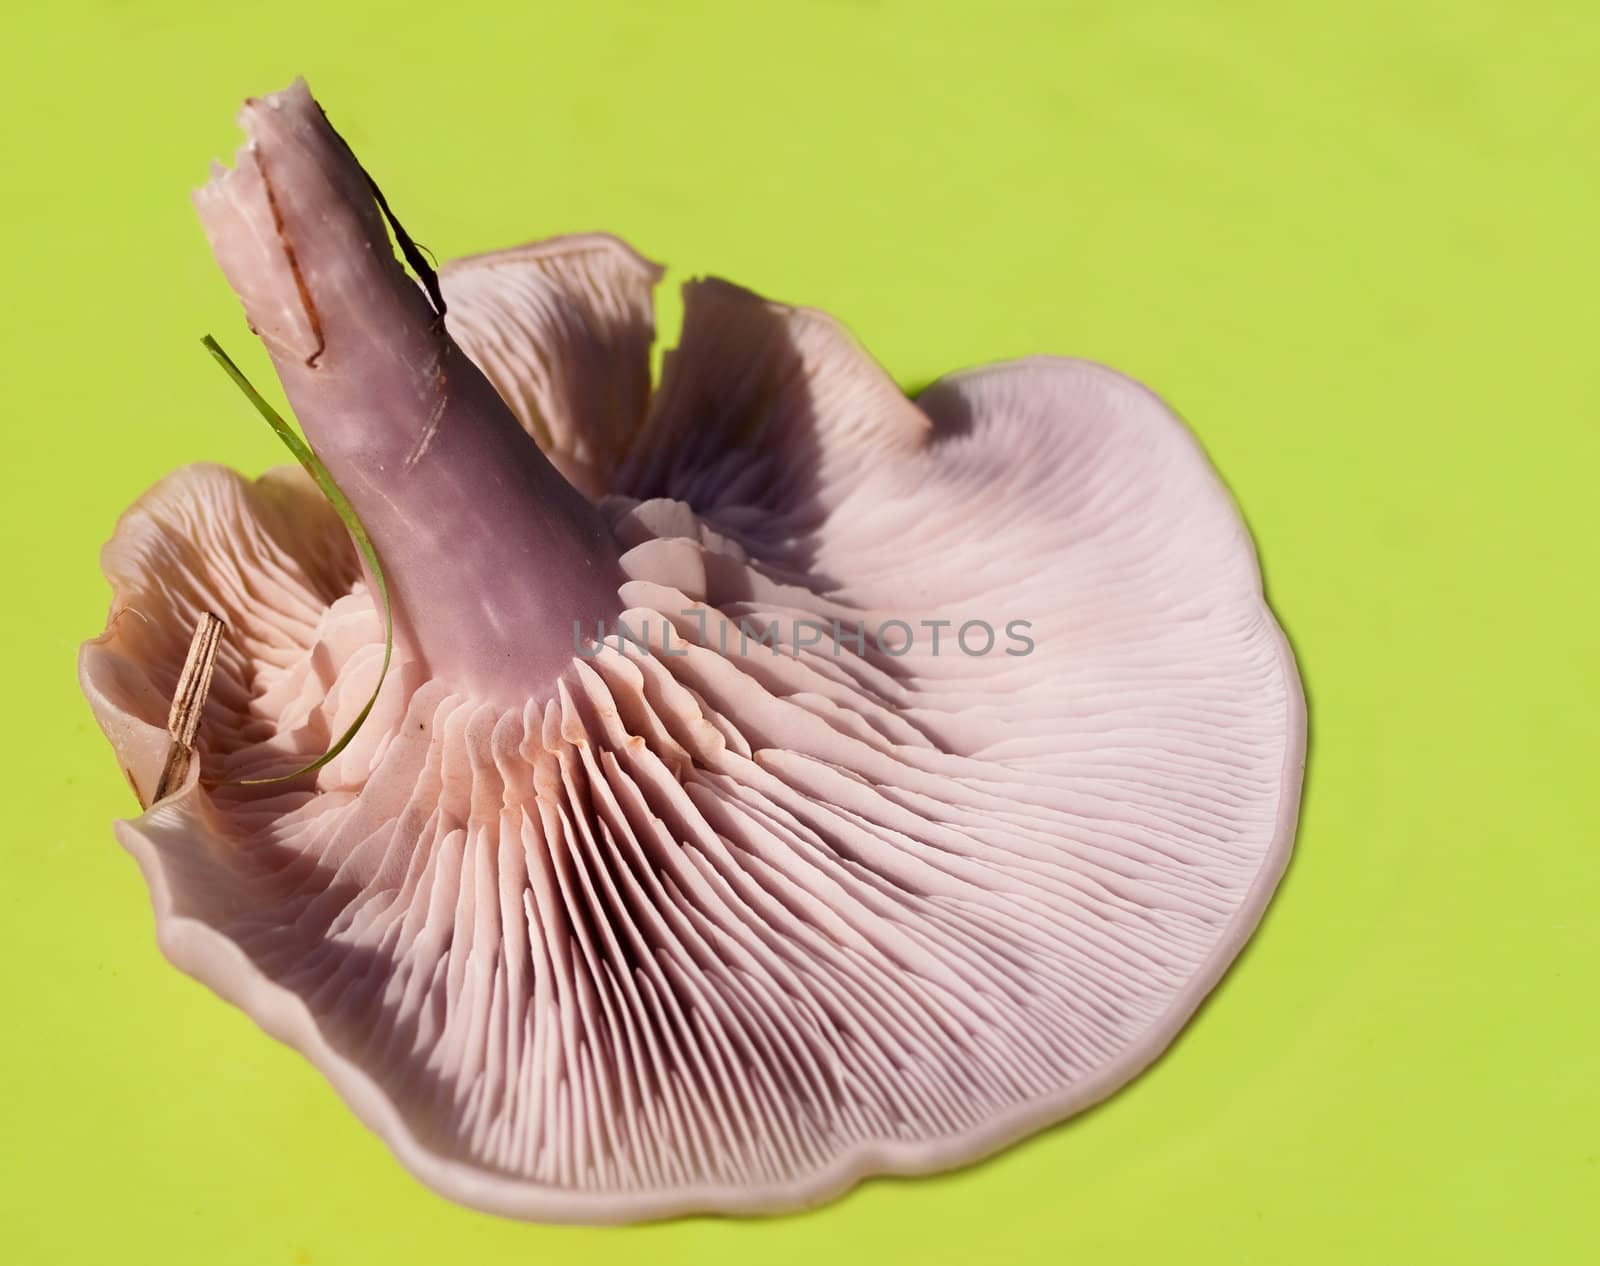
(491, 556)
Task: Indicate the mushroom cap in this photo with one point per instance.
(704, 926)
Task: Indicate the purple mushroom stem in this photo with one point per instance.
(490, 554)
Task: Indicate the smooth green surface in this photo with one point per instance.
(1356, 245)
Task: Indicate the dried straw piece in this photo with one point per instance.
(189, 701)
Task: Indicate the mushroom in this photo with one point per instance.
(779, 781)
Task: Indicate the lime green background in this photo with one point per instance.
(1357, 249)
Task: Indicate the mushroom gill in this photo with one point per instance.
(661, 878)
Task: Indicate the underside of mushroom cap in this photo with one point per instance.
(720, 919)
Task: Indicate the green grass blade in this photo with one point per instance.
(347, 515)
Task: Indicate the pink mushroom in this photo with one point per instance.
(715, 913)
